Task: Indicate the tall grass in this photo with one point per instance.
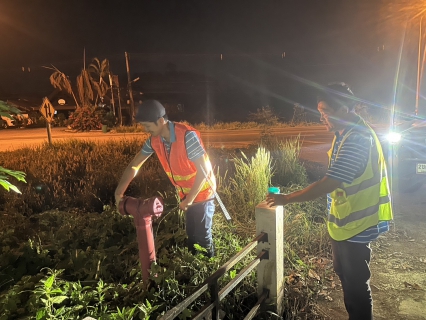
(288, 169)
(285, 160)
(80, 174)
(248, 186)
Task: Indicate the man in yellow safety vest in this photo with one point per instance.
(358, 197)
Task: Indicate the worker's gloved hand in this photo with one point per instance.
(184, 204)
(276, 199)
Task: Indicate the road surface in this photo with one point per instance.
(311, 136)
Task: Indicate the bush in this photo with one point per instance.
(264, 115)
(85, 118)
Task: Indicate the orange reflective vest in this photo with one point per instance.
(180, 170)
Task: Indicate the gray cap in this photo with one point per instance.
(150, 111)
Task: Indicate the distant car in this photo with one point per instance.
(6, 122)
(19, 120)
(405, 150)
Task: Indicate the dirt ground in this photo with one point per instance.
(398, 262)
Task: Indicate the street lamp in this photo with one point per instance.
(420, 14)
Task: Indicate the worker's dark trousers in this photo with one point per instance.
(351, 263)
(199, 220)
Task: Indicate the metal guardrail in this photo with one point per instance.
(211, 284)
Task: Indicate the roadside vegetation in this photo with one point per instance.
(66, 253)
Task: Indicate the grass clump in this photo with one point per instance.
(248, 185)
(287, 167)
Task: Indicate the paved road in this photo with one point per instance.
(11, 139)
(315, 139)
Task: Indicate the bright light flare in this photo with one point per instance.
(393, 137)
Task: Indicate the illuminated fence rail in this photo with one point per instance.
(269, 263)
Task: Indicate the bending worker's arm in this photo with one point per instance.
(128, 175)
(311, 192)
(200, 179)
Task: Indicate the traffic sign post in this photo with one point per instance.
(47, 112)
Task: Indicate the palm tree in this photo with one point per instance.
(99, 72)
(60, 81)
(84, 87)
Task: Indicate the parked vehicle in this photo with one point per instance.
(19, 120)
(405, 149)
(6, 122)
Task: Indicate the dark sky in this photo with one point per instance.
(324, 40)
(40, 31)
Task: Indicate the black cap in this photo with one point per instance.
(150, 111)
(337, 94)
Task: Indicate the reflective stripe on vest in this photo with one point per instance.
(180, 170)
(365, 202)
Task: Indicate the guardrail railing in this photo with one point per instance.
(270, 268)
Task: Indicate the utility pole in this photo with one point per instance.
(112, 93)
(120, 115)
(418, 68)
(129, 85)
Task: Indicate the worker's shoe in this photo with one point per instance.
(208, 253)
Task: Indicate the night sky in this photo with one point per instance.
(324, 40)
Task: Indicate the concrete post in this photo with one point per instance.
(270, 273)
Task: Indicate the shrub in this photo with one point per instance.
(264, 115)
(85, 118)
(299, 115)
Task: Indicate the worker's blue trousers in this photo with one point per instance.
(199, 221)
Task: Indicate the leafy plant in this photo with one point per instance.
(4, 176)
(7, 111)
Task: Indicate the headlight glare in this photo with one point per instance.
(394, 137)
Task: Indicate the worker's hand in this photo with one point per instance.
(185, 204)
(276, 199)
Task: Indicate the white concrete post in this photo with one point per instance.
(270, 273)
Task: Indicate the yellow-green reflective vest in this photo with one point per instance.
(365, 202)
